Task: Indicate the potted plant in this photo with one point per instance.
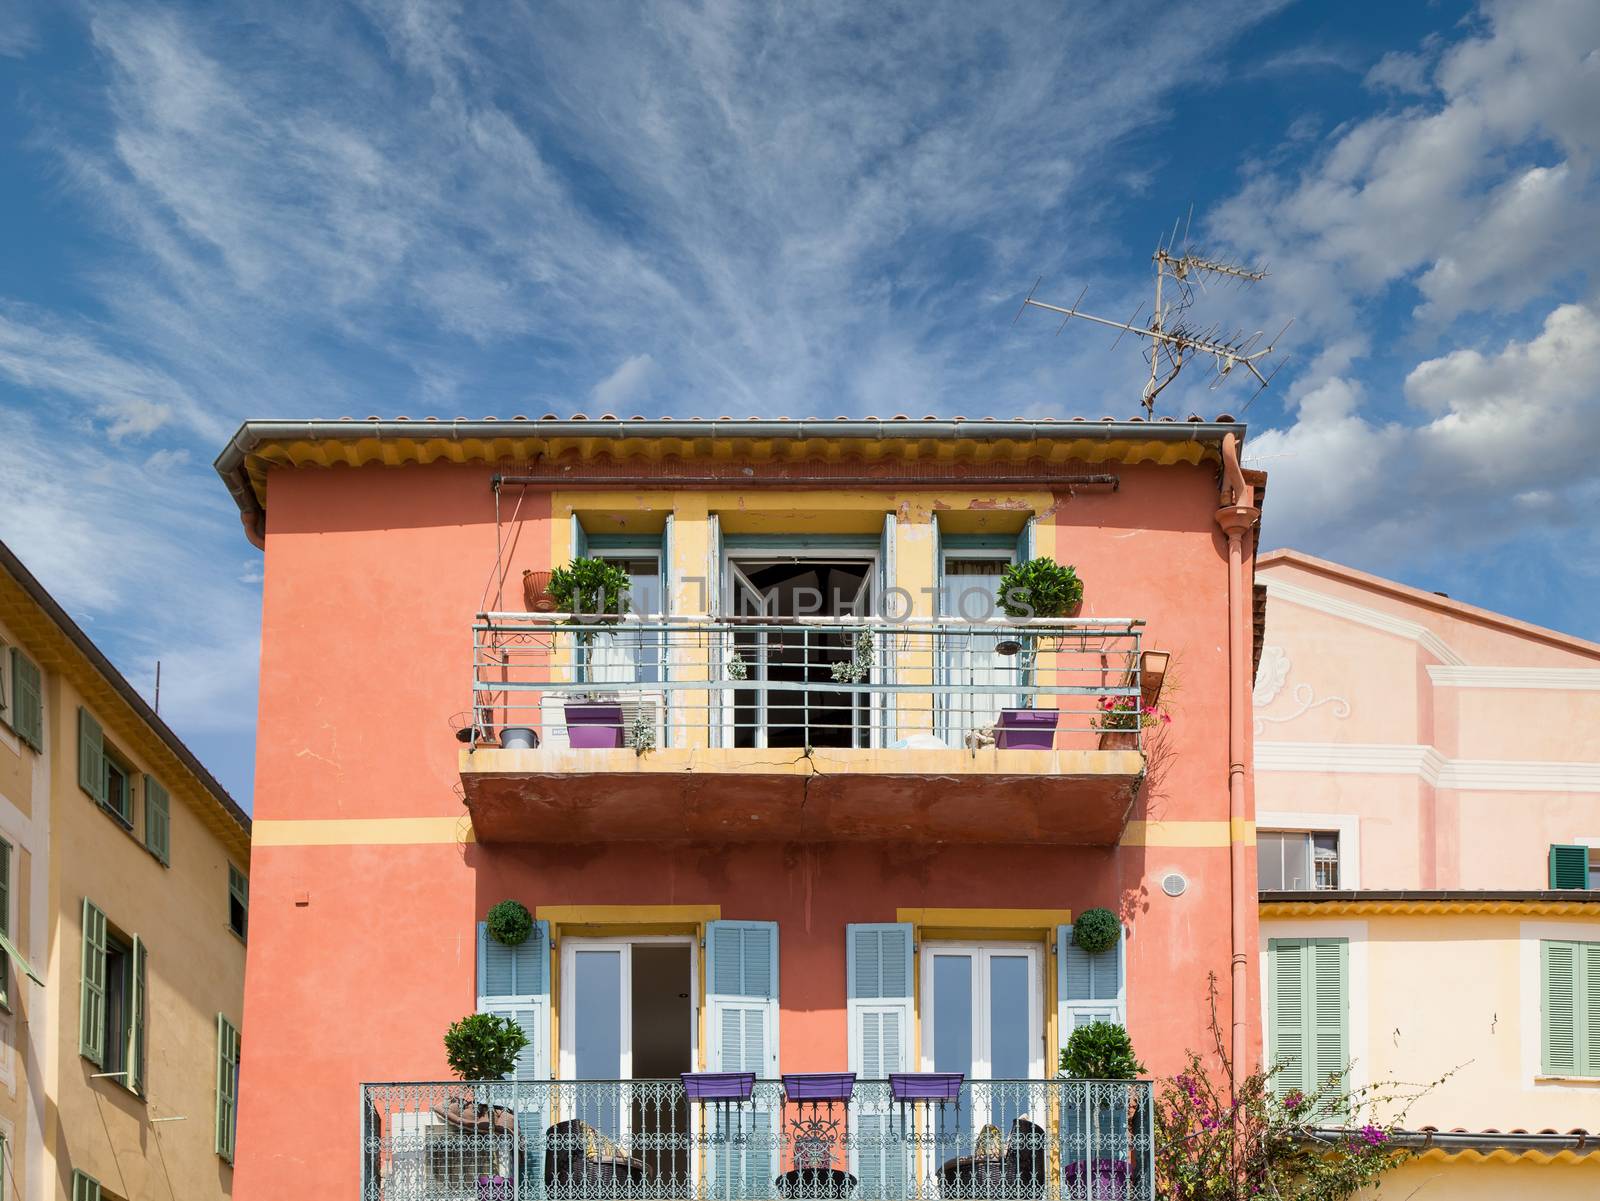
(1038, 588)
(858, 668)
(536, 592)
(591, 591)
(1122, 717)
(1097, 1150)
(481, 1047)
(1096, 931)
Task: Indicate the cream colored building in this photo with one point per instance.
(124, 900)
(1428, 842)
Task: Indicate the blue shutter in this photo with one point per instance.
(879, 973)
(1089, 988)
(1027, 540)
(742, 1013)
(514, 982)
(580, 539)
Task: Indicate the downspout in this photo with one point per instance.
(1237, 515)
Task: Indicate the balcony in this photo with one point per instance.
(803, 729)
(644, 1140)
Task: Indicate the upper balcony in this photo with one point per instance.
(794, 729)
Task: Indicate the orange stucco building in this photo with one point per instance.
(818, 838)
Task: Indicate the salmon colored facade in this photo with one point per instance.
(381, 840)
(1444, 761)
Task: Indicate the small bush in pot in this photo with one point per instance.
(510, 923)
(1040, 588)
(1100, 1051)
(483, 1046)
(589, 589)
(1096, 930)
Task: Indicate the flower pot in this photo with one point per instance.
(718, 1086)
(819, 1086)
(593, 725)
(518, 738)
(536, 592)
(1119, 740)
(1026, 729)
(925, 1086)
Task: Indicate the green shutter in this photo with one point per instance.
(157, 820)
(227, 1087)
(239, 890)
(5, 923)
(92, 994)
(1569, 981)
(85, 1187)
(138, 1009)
(27, 700)
(91, 756)
(1569, 867)
(1308, 1011)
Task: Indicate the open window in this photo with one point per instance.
(1297, 860)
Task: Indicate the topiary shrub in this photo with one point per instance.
(589, 588)
(510, 923)
(1100, 1051)
(1096, 930)
(483, 1046)
(1040, 588)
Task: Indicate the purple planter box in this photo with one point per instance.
(593, 726)
(819, 1086)
(925, 1086)
(1103, 1179)
(719, 1086)
(1026, 729)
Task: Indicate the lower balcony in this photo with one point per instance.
(788, 730)
(645, 1140)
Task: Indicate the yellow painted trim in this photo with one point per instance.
(1273, 909)
(1503, 1155)
(632, 916)
(1189, 833)
(987, 919)
(359, 831)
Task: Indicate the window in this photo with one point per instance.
(1570, 988)
(102, 773)
(227, 1117)
(85, 1187)
(157, 820)
(111, 1019)
(5, 922)
(1574, 867)
(238, 901)
(1297, 860)
(25, 711)
(1307, 1011)
(119, 790)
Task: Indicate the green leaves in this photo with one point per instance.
(482, 1046)
(590, 588)
(1100, 1051)
(1040, 588)
(510, 923)
(1096, 930)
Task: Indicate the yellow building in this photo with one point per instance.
(124, 903)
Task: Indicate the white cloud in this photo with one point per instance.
(627, 385)
(1401, 71)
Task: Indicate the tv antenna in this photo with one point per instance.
(1174, 341)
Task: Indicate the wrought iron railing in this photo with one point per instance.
(555, 681)
(644, 1140)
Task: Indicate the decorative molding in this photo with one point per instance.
(1305, 696)
(1302, 909)
(1426, 763)
(1563, 679)
(1363, 615)
(1271, 673)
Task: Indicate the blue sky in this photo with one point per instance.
(209, 213)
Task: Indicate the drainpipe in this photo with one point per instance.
(1237, 515)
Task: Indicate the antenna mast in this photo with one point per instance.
(1173, 341)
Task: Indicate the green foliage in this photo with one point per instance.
(642, 733)
(1039, 588)
(1100, 1051)
(738, 669)
(1217, 1144)
(483, 1046)
(1096, 930)
(859, 667)
(589, 589)
(510, 923)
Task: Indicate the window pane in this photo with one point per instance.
(1325, 859)
(1269, 861)
(1010, 1044)
(1296, 862)
(597, 1041)
(952, 1013)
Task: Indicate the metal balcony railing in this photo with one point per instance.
(560, 682)
(644, 1140)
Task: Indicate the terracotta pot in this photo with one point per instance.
(536, 592)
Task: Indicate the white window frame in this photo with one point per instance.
(980, 953)
(566, 1024)
(1346, 825)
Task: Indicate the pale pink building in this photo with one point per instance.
(1428, 838)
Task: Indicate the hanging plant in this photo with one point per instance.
(510, 923)
(859, 666)
(1096, 930)
(642, 733)
(1040, 588)
(738, 669)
